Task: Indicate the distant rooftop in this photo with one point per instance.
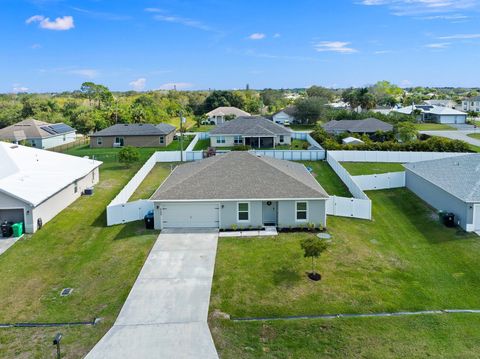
(250, 126)
(368, 125)
(136, 129)
(436, 110)
(33, 129)
(227, 111)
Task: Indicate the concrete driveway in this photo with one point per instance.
(165, 314)
(455, 135)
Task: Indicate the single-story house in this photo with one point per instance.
(285, 116)
(435, 114)
(352, 141)
(239, 189)
(254, 131)
(134, 134)
(443, 103)
(451, 184)
(36, 185)
(471, 104)
(223, 114)
(38, 134)
(366, 126)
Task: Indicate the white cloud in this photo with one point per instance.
(419, 7)
(257, 36)
(138, 84)
(89, 73)
(59, 24)
(17, 88)
(276, 36)
(441, 45)
(460, 37)
(334, 46)
(176, 85)
(383, 52)
(162, 15)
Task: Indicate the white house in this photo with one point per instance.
(36, 185)
(222, 114)
(38, 134)
(471, 104)
(285, 116)
(435, 114)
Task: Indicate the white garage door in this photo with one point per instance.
(476, 217)
(190, 215)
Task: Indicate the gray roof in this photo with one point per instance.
(290, 110)
(436, 110)
(136, 129)
(369, 125)
(33, 129)
(459, 176)
(250, 126)
(227, 111)
(240, 175)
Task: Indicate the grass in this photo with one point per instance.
(75, 250)
(371, 168)
(202, 145)
(474, 148)
(328, 178)
(202, 128)
(402, 260)
(153, 180)
(434, 127)
(302, 127)
(474, 135)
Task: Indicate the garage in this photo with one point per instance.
(13, 215)
(190, 215)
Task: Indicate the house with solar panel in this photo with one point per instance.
(38, 134)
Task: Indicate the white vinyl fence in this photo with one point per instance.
(128, 212)
(380, 181)
(294, 155)
(389, 156)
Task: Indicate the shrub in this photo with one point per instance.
(128, 155)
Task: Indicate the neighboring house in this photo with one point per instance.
(443, 103)
(471, 104)
(223, 114)
(285, 116)
(36, 185)
(451, 185)
(38, 134)
(352, 141)
(435, 114)
(239, 189)
(136, 135)
(254, 131)
(366, 126)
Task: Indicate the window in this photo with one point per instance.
(75, 187)
(64, 138)
(99, 141)
(301, 211)
(243, 212)
(119, 141)
(282, 138)
(237, 140)
(221, 139)
(162, 140)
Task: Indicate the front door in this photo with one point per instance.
(269, 210)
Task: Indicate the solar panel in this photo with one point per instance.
(61, 128)
(48, 130)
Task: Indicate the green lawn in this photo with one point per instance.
(474, 148)
(202, 128)
(153, 180)
(202, 145)
(302, 127)
(328, 178)
(75, 250)
(402, 260)
(433, 127)
(475, 135)
(371, 168)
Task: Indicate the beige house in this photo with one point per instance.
(222, 114)
(135, 135)
(36, 185)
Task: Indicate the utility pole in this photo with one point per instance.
(182, 121)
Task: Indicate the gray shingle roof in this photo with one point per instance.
(250, 126)
(240, 175)
(290, 110)
(368, 125)
(33, 129)
(227, 111)
(136, 129)
(459, 176)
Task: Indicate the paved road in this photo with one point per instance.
(455, 135)
(165, 314)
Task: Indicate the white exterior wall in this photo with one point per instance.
(468, 105)
(281, 117)
(452, 119)
(54, 141)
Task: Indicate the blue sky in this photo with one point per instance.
(55, 45)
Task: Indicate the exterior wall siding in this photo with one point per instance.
(228, 215)
(134, 141)
(229, 140)
(439, 199)
(287, 215)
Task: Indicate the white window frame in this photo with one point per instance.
(282, 138)
(237, 140)
(161, 139)
(221, 139)
(238, 212)
(99, 141)
(75, 187)
(306, 211)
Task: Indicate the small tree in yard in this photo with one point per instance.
(313, 247)
(128, 155)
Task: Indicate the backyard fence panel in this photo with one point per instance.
(168, 156)
(390, 156)
(349, 207)
(192, 144)
(380, 181)
(354, 189)
(128, 212)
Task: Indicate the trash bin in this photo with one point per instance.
(17, 229)
(149, 220)
(6, 229)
